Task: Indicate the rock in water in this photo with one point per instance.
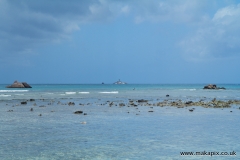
(17, 84)
(212, 86)
(191, 110)
(142, 100)
(24, 102)
(78, 112)
(26, 85)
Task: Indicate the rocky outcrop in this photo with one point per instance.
(17, 84)
(213, 86)
(26, 85)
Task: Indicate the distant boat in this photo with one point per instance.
(119, 82)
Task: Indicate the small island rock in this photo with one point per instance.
(213, 86)
(17, 84)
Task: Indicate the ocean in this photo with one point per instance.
(116, 124)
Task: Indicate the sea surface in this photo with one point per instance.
(47, 128)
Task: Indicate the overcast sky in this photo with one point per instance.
(137, 41)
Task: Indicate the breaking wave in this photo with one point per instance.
(113, 92)
(5, 95)
(14, 90)
(70, 92)
(83, 92)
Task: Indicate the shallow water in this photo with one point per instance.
(115, 132)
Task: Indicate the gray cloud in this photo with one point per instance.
(186, 11)
(28, 24)
(220, 37)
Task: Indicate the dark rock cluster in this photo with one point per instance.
(206, 104)
(213, 86)
(136, 103)
(181, 104)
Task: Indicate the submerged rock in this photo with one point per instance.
(23, 102)
(207, 104)
(71, 103)
(121, 104)
(78, 112)
(142, 100)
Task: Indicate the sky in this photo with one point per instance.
(137, 41)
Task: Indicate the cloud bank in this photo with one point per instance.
(219, 37)
(26, 25)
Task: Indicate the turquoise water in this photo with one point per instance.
(131, 91)
(115, 132)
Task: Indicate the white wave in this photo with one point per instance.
(14, 90)
(4, 95)
(113, 92)
(83, 92)
(70, 92)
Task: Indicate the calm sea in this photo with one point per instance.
(52, 130)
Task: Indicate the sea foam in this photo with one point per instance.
(113, 92)
(70, 92)
(14, 90)
(4, 95)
